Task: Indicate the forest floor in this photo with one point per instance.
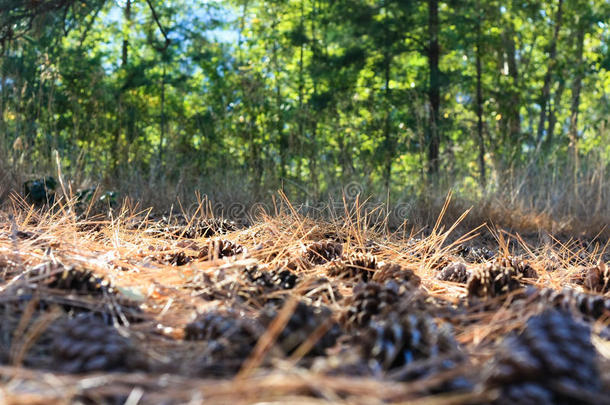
(151, 309)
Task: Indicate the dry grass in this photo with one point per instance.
(122, 248)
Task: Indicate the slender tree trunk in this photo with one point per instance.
(301, 128)
(575, 105)
(434, 89)
(514, 117)
(480, 109)
(162, 123)
(553, 111)
(387, 136)
(3, 92)
(546, 88)
(119, 114)
(313, 147)
(282, 141)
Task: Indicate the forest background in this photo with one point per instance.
(506, 103)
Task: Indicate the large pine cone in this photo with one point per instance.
(590, 305)
(400, 339)
(493, 280)
(302, 324)
(220, 248)
(552, 362)
(356, 265)
(86, 343)
(223, 341)
(394, 272)
(323, 251)
(455, 272)
(370, 299)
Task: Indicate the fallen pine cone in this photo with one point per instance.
(323, 251)
(455, 273)
(551, 362)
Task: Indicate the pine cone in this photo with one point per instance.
(215, 325)
(356, 265)
(598, 278)
(224, 341)
(173, 259)
(73, 279)
(492, 281)
(398, 339)
(551, 361)
(210, 227)
(302, 324)
(272, 280)
(220, 248)
(476, 255)
(370, 299)
(285, 279)
(393, 271)
(590, 305)
(323, 251)
(455, 272)
(522, 267)
(86, 343)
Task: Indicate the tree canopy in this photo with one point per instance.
(307, 94)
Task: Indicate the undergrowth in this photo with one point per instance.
(174, 307)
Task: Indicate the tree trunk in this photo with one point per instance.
(119, 115)
(514, 117)
(546, 88)
(162, 124)
(575, 104)
(553, 114)
(313, 147)
(480, 109)
(389, 152)
(434, 89)
(387, 136)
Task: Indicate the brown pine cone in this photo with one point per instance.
(598, 278)
(86, 343)
(551, 361)
(304, 321)
(323, 251)
(476, 255)
(492, 281)
(590, 305)
(369, 299)
(455, 272)
(220, 248)
(224, 341)
(80, 281)
(522, 267)
(355, 265)
(216, 325)
(173, 259)
(393, 271)
(268, 281)
(400, 339)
